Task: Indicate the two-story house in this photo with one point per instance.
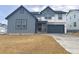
(46, 21)
(72, 20)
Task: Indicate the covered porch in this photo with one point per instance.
(41, 26)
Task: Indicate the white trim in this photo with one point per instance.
(58, 23)
(65, 29)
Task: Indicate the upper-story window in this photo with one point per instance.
(48, 17)
(22, 11)
(75, 24)
(59, 16)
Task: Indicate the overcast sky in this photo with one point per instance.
(7, 9)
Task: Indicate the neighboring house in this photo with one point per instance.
(3, 28)
(73, 20)
(46, 21)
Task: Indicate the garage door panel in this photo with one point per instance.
(55, 29)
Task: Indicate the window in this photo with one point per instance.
(75, 24)
(22, 11)
(59, 16)
(18, 26)
(21, 24)
(47, 17)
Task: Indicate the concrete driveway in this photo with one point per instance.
(69, 42)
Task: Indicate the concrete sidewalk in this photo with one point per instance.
(69, 42)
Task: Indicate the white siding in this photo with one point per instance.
(70, 22)
(55, 18)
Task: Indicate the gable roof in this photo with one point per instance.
(47, 8)
(57, 12)
(60, 12)
(72, 10)
(18, 9)
(35, 13)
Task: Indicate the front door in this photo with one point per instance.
(39, 29)
(42, 28)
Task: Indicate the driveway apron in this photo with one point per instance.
(69, 42)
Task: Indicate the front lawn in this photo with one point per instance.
(41, 44)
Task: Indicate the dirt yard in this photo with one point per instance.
(31, 44)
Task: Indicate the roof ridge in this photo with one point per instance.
(17, 9)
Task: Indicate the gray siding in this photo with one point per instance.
(30, 22)
(47, 13)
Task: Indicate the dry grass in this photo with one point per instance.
(29, 44)
(75, 34)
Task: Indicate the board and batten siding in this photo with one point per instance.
(47, 13)
(30, 22)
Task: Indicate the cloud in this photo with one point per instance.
(65, 7)
(7, 9)
(36, 9)
(54, 7)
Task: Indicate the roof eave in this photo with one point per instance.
(18, 8)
